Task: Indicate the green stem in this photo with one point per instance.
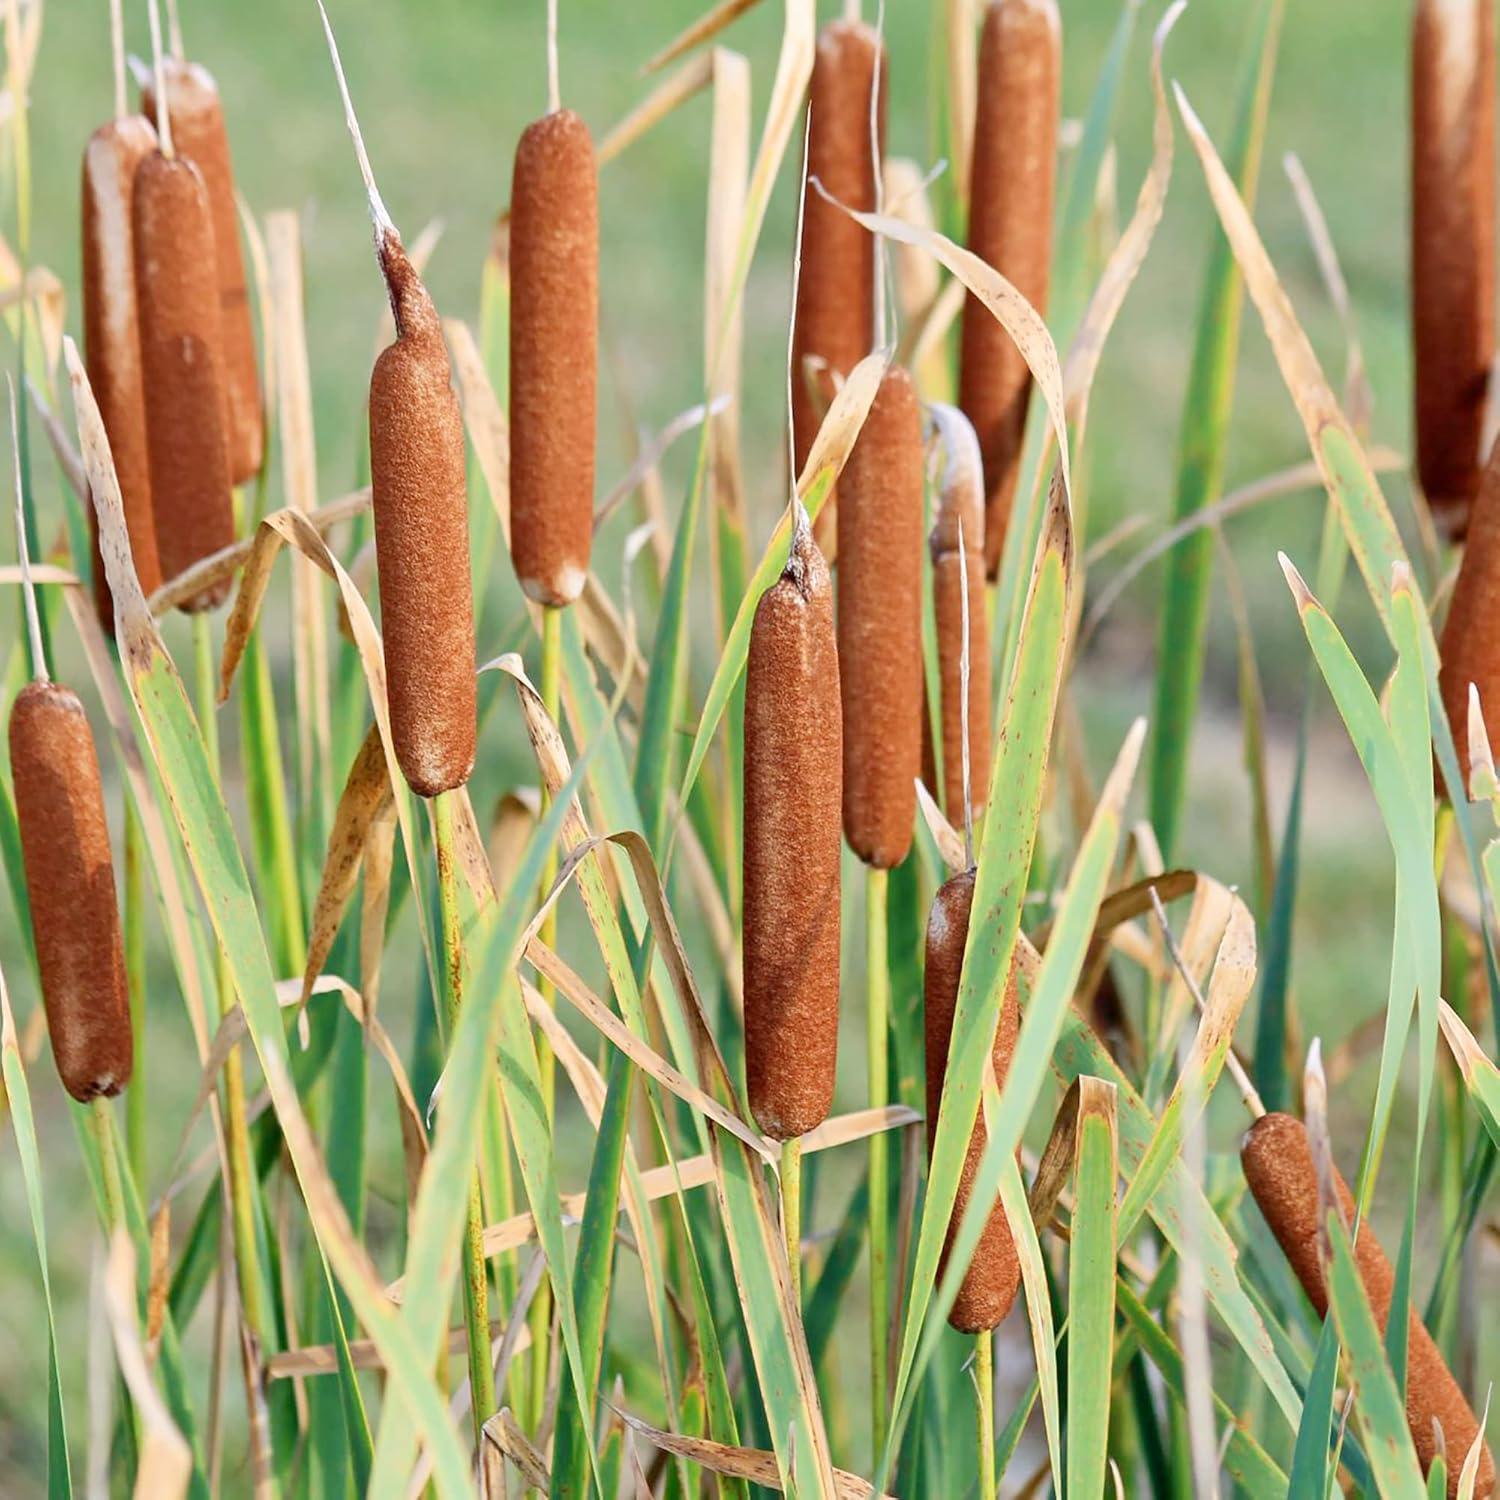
(984, 1381)
(476, 1284)
(103, 1123)
(135, 981)
(791, 1213)
(541, 1307)
(878, 989)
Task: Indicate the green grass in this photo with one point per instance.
(443, 92)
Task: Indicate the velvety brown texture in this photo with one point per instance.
(421, 509)
(1470, 645)
(792, 796)
(961, 498)
(989, 1286)
(880, 624)
(1278, 1162)
(70, 883)
(1010, 227)
(111, 338)
(835, 316)
(197, 119)
(554, 334)
(177, 305)
(1452, 245)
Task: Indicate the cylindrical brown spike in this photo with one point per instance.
(554, 317)
(178, 309)
(1010, 226)
(197, 119)
(111, 338)
(835, 315)
(420, 501)
(994, 1275)
(70, 884)
(792, 793)
(1470, 649)
(961, 500)
(880, 624)
(1452, 244)
(1278, 1163)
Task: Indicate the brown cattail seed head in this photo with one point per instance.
(1279, 1168)
(880, 624)
(1470, 648)
(835, 313)
(420, 501)
(71, 887)
(554, 322)
(1010, 227)
(960, 500)
(989, 1285)
(1452, 245)
(111, 338)
(197, 120)
(177, 304)
(793, 755)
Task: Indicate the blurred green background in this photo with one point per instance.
(444, 88)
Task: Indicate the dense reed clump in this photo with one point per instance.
(880, 624)
(1010, 227)
(957, 576)
(554, 336)
(197, 116)
(70, 884)
(1278, 1163)
(111, 336)
(1452, 246)
(177, 301)
(994, 1274)
(792, 798)
(834, 321)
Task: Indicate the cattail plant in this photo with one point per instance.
(197, 115)
(956, 542)
(834, 319)
(419, 496)
(177, 302)
(1452, 246)
(1010, 227)
(70, 881)
(1469, 648)
(111, 333)
(1278, 1162)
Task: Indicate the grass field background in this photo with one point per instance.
(444, 88)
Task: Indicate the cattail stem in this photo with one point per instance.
(791, 1213)
(174, 31)
(878, 992)
(236, 1129)
(476, 1283)
(541, 1307)
(135, 980)
(984, 1393)
(852, 10)
(117, 55)
(554, 87)
(103, 1125)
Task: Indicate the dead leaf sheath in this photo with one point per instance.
(835, 314)
(1452, 246)
(70, 884)
(792, 796)
(198, 132)
(994, 1274)
(1470, 644)
(419, 496)
(111, 338)
(177, 306)
(1010, 227)
(554, 318)
(880, 624)
(1278, 1162)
